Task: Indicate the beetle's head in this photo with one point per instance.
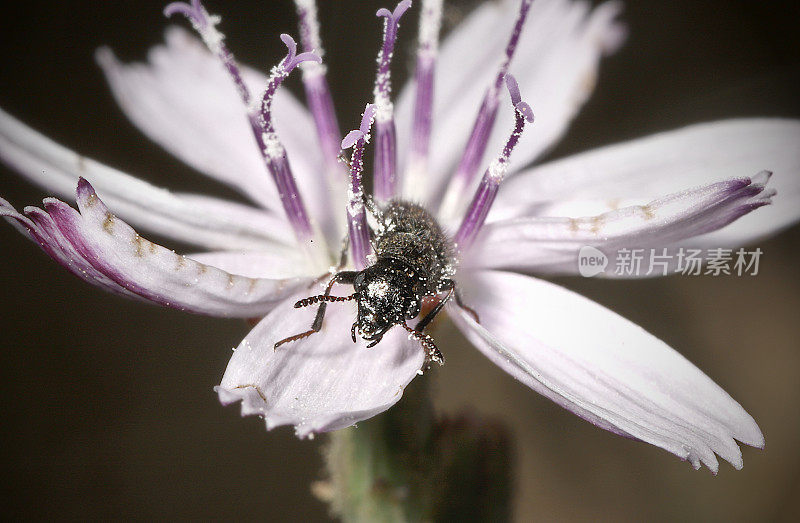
(388, 293)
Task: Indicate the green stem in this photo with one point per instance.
(407, 465)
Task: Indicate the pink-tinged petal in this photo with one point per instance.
(552, 245)
(197, 220)
(603, 367)
(555, 63)
(179, 116)
(114, 256)
(323, 382)
(184, 100)
(40, 227)
(641, 170)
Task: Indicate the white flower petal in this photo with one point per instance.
(272, 225)
(323, 382)
(184, 100)
(555, 65)
(552, 245)
(603, 367)
(198, 220)
(638, 171)
(104, 250)
(257, 264)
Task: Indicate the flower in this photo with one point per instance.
(260, 260)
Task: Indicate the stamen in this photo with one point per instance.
(427, 51)
(478, 140)
(206, 25)
(385, 170)
(260, 120)
(490, 183)
(356, 211)
(315, 82)
(278, 74)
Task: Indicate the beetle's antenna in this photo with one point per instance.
(311, 300)
(432, 352)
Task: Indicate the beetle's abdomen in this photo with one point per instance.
(411, 234)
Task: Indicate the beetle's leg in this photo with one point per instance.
(344, 277)
(374, 341)
(467, 308)
(432, 352)
(447, 285)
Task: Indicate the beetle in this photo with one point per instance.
(414, 260)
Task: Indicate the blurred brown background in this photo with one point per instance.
(107, 407)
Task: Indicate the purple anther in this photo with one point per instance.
(427, 47)
(393, 17)
(194, 11)
(260, 122)
(320, 102)
(351, 138)
(290, 196)
(383, 84)
(423, 108)
(206, 25)
(356, 211)
(366, 120)
(318, 94)
(490, 183)
(516, 98)
(309, 25)
(293, 59)
(479, 139)
(513, 89)
(385, 168)
(279, 74)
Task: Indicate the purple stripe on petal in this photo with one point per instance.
(39, 227)
(552, 244)
(75, 262)
(104, 250)
(604, 368)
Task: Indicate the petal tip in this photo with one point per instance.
(104, 57)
